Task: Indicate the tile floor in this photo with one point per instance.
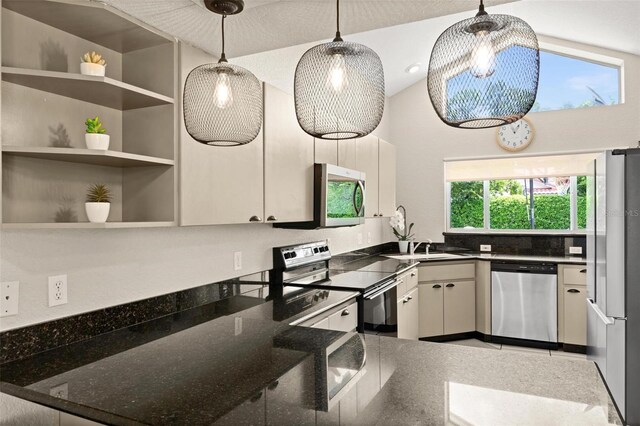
(544, 352)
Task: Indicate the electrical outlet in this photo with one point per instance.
(61, 391)
(57, 290)
(237, 260)
(485, 247)
(359, 238)
(368, 237)
(575, 250)
(9, 292)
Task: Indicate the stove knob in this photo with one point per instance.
(294, 254)
(326, 248)
(316, 297)
(315, 250)
(287, 255)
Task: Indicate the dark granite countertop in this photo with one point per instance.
(235, 370)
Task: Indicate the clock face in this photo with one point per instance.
(515, 136)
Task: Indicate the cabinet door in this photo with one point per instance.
(575, 315)
(387, 178)
(367, 162)
(218, 185)
(431, 309)
(347, 154)
(408, 315)
(326, 151)
(288, 161)
(459, 307)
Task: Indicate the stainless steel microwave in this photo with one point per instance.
(339, 198)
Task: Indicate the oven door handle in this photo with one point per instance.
(355, 195)
(379, 290)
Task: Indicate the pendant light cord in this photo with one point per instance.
(481, 11)
(338, 37)
(223, 58)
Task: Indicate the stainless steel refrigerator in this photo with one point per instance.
(613, 248)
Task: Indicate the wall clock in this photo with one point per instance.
(515, 136)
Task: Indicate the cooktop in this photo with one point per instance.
(377, 264)
(343, 280)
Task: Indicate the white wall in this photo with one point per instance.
(113, 266)
(423, 141)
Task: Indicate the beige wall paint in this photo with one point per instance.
(423, 141)
(113, 266)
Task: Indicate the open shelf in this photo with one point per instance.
(91, 21)
(103, 91)
(87, 156)
(87, 225)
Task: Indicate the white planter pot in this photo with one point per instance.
(96, 141)
(87, 68)
(97, 212)
(403, 246)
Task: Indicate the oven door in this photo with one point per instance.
(380, 309)
(342, 198)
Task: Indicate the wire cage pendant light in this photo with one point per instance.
(222, 102)
(339, 89)
(484, 71)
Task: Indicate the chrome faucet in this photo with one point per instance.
(412, 247)
(429, 242)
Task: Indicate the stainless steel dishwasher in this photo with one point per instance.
(524, 299)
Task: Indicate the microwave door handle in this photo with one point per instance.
(355, 193)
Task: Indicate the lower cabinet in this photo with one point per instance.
(431, 309)
(447, 308)
(408, 315)
(575, 315)
(340, 318)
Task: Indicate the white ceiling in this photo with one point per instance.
(270, 36)
(610, 23)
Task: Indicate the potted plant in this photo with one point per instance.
(403, 233)
(93, 64)
(96, 137)
(98, 203)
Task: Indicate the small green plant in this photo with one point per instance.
(98, 193)
(93, 58)
(94, 125)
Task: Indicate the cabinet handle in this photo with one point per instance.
(413, 274)
(451, 285)
(256, 397)
(583, 271)
(255, 219)
(273, 385)
(272, 218)
(405, 300)
(409, 297)
(345, 313)
(437, 286)
(573, 290)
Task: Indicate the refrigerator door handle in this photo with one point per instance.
(605, 319)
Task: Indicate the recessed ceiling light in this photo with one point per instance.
(414, 68)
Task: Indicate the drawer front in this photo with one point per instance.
(573, 275)
(411, 280)
(575, 315)
(460, 271)
(345, 319)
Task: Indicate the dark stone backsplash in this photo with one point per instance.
(520, 244)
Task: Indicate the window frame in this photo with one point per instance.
(486, 229)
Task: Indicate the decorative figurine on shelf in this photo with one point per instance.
(96, 137)
(93, 64)
(98, 203)
(403, 233)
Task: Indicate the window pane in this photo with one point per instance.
(508, 208)
(567, 83)
(582, 202)
(467, 205)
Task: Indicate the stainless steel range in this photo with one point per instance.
(307, 265)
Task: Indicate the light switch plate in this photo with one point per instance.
(485, 247)
(9, 292)
(575, 250)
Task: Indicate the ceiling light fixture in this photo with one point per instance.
(222, 102)
(484, 71)
(412, 69)
(339, 89)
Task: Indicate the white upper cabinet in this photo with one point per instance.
(367, 162)
(326, 151)
(387, 179)
(218, 185)
(348, 153)
(288, 161)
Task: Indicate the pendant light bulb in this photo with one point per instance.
(483, 57)
(222, 94)
(338, 78)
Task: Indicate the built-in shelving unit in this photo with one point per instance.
(46, 167)
(97, 157)
(103, 91)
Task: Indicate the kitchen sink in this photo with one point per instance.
(430, 256)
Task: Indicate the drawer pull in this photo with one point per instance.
(272, 218)
(573, 290)
(409, 297)
(413, 274)
(437, 286)
(255, 219)
(345, 313)
(405, 300)
(451, 285)
(583, 271)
